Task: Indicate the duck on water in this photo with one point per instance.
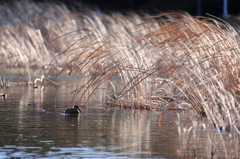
(74, 111)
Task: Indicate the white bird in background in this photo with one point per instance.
(41, 80)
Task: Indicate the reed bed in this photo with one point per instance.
(166, 61)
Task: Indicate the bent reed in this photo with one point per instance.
(161, 61)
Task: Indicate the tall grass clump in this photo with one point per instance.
(28, 30)
(163, 62)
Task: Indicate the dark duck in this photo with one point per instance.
(76, 110)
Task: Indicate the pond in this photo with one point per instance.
(33, 125)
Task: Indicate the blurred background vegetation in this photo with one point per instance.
(194, 7)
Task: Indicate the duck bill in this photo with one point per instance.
(79, 110)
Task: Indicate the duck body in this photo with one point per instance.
(73, 111)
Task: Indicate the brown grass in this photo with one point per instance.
(160, 62)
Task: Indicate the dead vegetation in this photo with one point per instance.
(168, 61)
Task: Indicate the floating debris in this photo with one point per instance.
(33, 105)
(184, 105)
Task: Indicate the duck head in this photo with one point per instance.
(76, 107)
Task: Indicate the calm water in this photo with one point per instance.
(28, 132)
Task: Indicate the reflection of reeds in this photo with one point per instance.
(169, 61)
(197, 139)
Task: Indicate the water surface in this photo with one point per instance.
(26, 131)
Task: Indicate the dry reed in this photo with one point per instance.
(161, 61)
